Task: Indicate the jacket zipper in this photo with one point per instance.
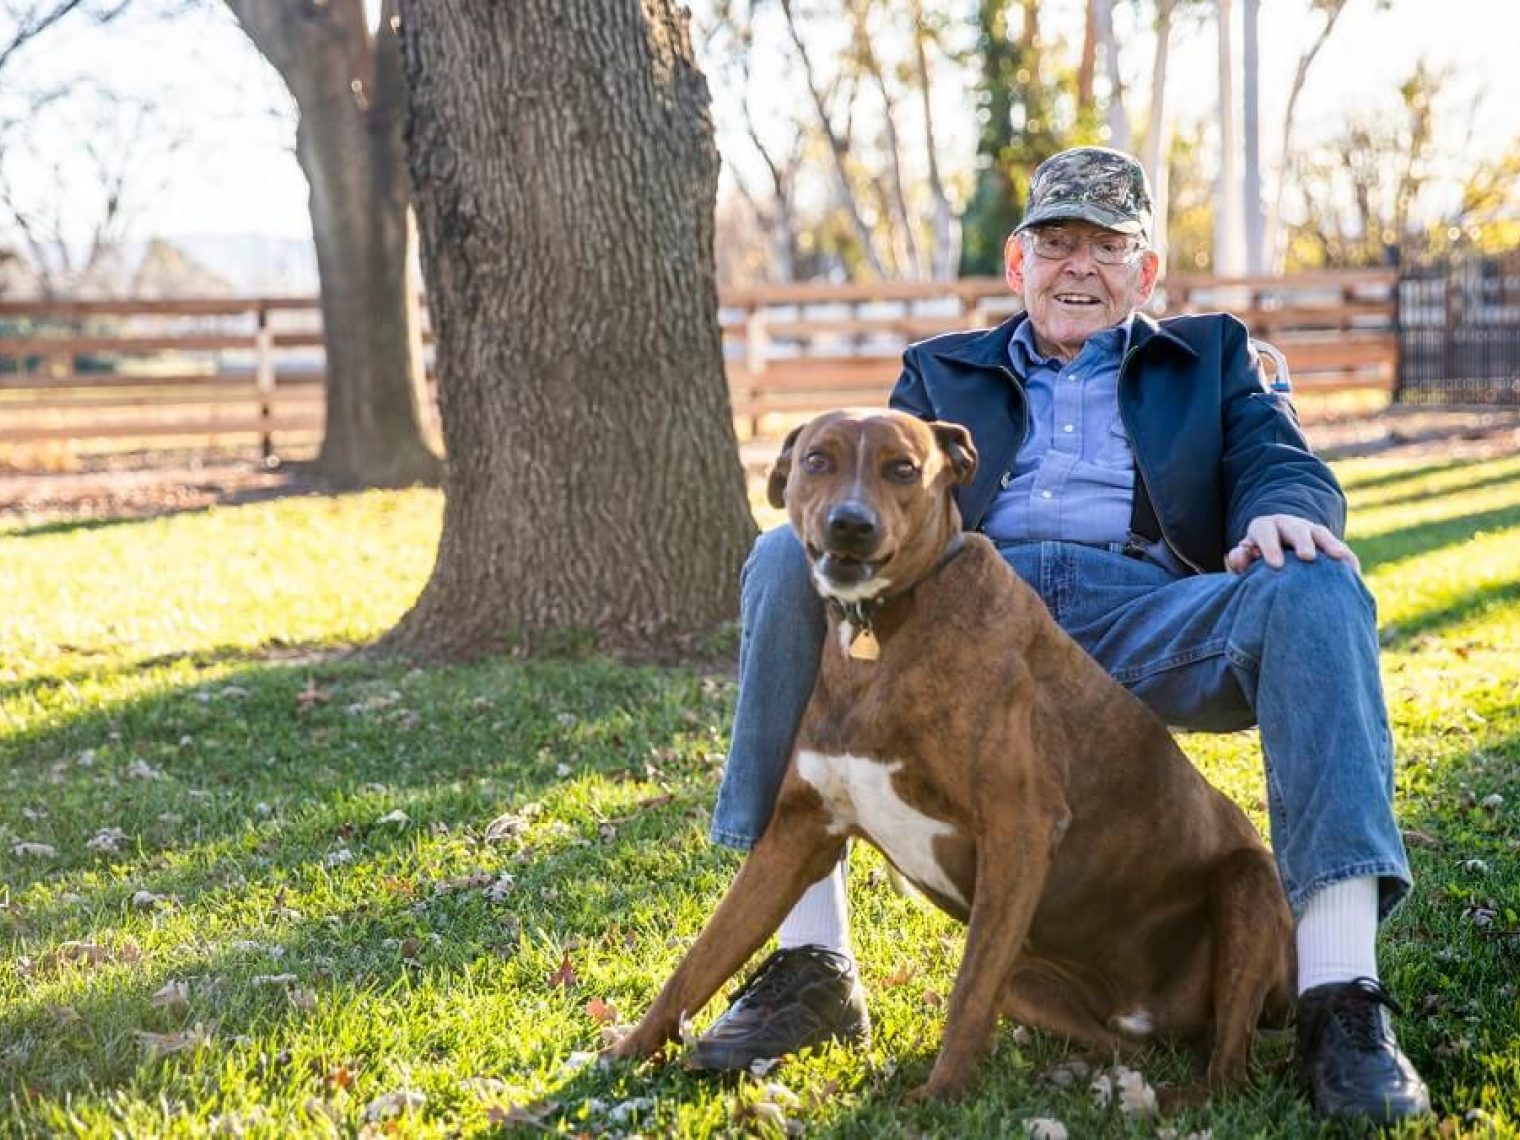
(1140, 467)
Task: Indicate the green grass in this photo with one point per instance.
(181, 680)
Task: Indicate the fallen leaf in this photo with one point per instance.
(504, 827)
(147, 900)
(303, 998)
(500, 889)
(311, 695)
(932, 999)
(166, 1044)
(1416, 838)
(521, 1113)
(107, 840)
(89, 954)
(393, 1104)
(140, 769)
(273, 980)
(397, 817)
(340, 1078)
(175, 995)
(26, 850)
(900, 976)
(601, 1012)
(564, 977)
(1044, 1128)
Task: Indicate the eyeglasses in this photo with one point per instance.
(1106, 248)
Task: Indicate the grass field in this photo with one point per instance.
(250, 888)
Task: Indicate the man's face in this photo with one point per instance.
(1070, 298)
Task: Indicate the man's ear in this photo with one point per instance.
(775, 489)
(955, 443)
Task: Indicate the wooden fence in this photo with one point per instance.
(144, 373)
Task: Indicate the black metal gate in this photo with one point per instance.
(1459, 330)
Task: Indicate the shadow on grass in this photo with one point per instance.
(1462, 609)
(1375, 479)
(1487, 483)
(1395, 546)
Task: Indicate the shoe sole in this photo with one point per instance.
(732, 1059)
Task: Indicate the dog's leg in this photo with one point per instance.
(1253, 955)
(796, 851)
(1012, 860)
(1047, 996)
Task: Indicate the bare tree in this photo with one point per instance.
(565, 174)
(1228, 250)
(1118, 118)
(1255, 221)
(1158, 133)
(345, 77)
(1272, 240)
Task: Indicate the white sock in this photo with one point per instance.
(821, 916)
(1337, 934)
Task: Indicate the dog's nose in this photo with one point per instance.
(852, 525)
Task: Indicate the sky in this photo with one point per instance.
(233, 169)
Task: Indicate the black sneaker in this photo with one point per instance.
(1349, 1058)
(798, 998)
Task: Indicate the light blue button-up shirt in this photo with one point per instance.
(1074, 477)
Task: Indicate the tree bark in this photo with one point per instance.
(346, 81)
(565, 176)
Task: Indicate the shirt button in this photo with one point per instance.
(1044, 494)
(1068, 428)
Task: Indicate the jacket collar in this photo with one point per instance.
(990, 349)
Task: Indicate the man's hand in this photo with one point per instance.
(1267, 536)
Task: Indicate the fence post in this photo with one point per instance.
(756, 350)
(263, 344)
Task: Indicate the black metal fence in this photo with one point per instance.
(1459, 330)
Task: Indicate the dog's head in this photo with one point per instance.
(869, 496)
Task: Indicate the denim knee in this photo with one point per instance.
(776, 571)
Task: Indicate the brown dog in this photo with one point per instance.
(1111, 894)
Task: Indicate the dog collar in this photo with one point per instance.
(861, 614)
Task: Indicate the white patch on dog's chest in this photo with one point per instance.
(858, 791)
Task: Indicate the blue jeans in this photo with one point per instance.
(1294, 651)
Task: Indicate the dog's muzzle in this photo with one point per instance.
(851, 536)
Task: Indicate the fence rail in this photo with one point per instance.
(245, 369)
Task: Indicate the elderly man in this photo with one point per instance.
(1153, 489)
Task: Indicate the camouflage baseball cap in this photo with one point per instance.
(1090, 184)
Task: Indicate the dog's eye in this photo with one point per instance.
(903, 471)
(815, 463)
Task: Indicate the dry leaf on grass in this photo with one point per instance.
(393, 1104)
(601, 1012)
(900, 976)
(147, 900)
(932, 999)
(26, 850)
(107, 840)
(312, 695)
(89, 955)
(397, 817)
(140, 769)
(565, 976)
(521, 1113)
(166, 1044)
(175, 995)
(1044, 1128)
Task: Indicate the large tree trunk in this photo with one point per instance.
(346, 81)
(565, 174)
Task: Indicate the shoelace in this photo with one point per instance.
(770, 980)
(1356, 1012)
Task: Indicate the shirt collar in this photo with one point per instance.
(1026, 356)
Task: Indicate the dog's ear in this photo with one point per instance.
(955, 442)
(775, 489)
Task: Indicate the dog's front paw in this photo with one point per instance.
(936, 1088)
(634, 1044)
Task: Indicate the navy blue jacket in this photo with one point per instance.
(1214, 448)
